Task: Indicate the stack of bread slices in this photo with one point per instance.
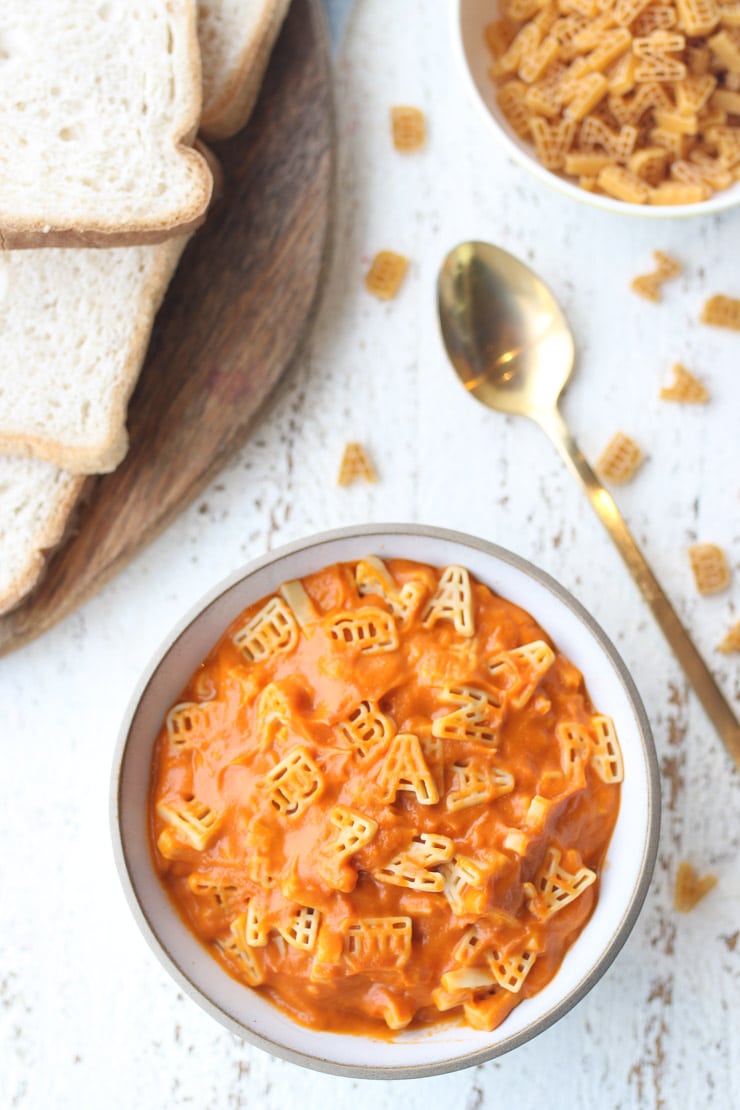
(102, 182)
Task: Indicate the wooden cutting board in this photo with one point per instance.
(231, 322)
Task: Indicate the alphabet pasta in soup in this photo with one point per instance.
(384, 799)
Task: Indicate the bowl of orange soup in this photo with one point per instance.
(386, 802)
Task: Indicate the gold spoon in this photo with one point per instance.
(513, 350)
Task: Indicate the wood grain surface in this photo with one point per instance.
(230, 325)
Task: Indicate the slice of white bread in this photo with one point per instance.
(236, 39)
(36, 499)
(75, 326)
(100, 101)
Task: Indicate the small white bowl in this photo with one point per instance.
(470, 18)
(411, 1053)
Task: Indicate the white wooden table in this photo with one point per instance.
(87, 1016)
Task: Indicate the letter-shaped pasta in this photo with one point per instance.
(411, 868)
(627, 11)
(367, 729)
(478, 717)
(720, 310)
(370, 629)
(469, 947)
(404, 768)
(575, 747)
(598, 740)
(554, 887)
(452, 601)
(511, 971)
(519, 672)
(618, 144)
(709, 567)
(606, 757)
(377, 943)
(697, 17)
(433, 750)
(373, 577)
(249, 929)
(273, 629)
(194, 820)
(513, 102)
(258, 845)
(463, 886)
(685, 388)
(302, 928)
(249, 962)
(354, 832)
(294, 783)
(475, 782)
(221, 892)
(654, 61)
(186, 723)
(408, 128)
(273, 714)
(552, 141)
(256, 930)
(691, 96)
(383, 280)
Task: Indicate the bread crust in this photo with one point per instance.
(228, 112)
(33, 234)
(48, 538)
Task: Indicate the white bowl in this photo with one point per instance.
(625, 876)
(470, 18)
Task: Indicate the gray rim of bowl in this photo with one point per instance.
(620, 934)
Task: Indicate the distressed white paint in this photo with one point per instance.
(87, 1018)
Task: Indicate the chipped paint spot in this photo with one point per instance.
(475, 1100)
(654, 1064)
(662, 990)
(676, 732)
(672, 767)
(678, 695)
(731, 940)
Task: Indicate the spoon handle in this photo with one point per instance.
(717, 708)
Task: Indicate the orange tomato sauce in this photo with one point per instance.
(384, 799)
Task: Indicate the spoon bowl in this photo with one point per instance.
(512, 348)
(504, 331)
